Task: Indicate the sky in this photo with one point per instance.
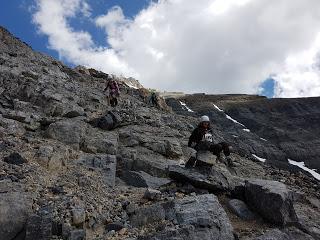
(267, 47)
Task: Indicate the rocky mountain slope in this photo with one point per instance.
(280, 129)
(71, 167)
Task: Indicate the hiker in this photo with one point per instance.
(201, 140)
(154, 99)
(112, 92)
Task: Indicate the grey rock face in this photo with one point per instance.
(69, 131)
(272, 200)
(106, 164)
(14, 210)
(199, 217)
(100, 142)
(142, 179)
(212, 181)
(240, 209)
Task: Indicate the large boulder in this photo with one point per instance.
(100, 142)
(196, 217)
(110, 121)
(215, 180)
(106, 164)
(271, 199)
(14, 210)
(69, 131)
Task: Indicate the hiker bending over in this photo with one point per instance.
(112, 92)
(201, 140)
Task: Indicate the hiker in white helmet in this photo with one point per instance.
(201, 140)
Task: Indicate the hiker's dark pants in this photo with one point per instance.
(216, 149)
(113, 102)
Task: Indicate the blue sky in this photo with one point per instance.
(212, 46)
(16, 16)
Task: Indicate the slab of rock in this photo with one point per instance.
(69, 131)
(196, 217)
(145, 180)
(107, 164)
(100, 142)
(271, 199)
(239, 208)
(15, 208)
(214, 181)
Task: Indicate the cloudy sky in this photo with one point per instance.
(214, 46)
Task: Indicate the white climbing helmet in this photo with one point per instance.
(204, 119)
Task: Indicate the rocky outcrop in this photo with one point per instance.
(272, 200)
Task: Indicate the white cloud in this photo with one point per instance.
(214, 46)
(76, 46)
(301, 74)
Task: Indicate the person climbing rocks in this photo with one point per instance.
(154, 99)
(201, 140)
(112, 92)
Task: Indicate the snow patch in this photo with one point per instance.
(302, 166)
(246, 130)
(259, 158)
(185, 105)
(264, 139)
(130, 86)
(235, 136)
(233, 120)
(220, 110)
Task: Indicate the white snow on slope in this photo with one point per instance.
(185, 105)
(246, 130)
(220, 110)
(263, 139)
(235, 121)
(131, 86)
(259, 158)
(302, 166)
